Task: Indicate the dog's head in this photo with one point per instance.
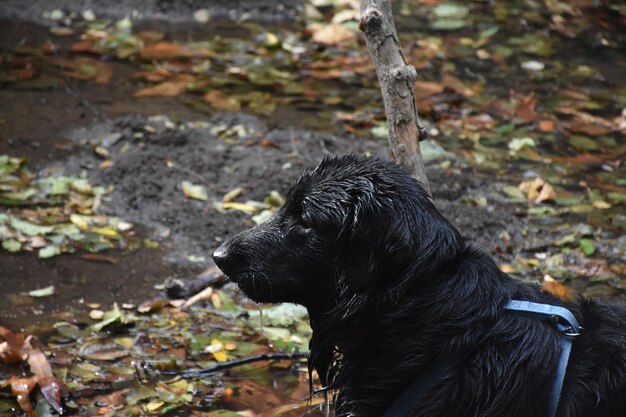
(353, 223)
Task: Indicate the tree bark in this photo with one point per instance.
(396, 79)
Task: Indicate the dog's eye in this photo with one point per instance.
(300, 229)
(304, 223)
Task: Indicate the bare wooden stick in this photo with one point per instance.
(237, 362)
(396, 79)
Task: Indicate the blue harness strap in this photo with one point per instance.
(566, 324)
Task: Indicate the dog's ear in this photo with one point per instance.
(376, 245)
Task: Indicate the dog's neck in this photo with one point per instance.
(387, 343)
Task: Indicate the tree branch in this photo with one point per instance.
(396, 79)
(222, 366)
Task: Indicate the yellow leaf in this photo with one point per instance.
(546, 193)
(105, 231)
(241, 207)
(508, 268)
(197, 192)
(154, 405)
(79, 221)
(220, 356)
(232, 194)
(602, 205)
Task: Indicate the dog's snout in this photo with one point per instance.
(221, 257)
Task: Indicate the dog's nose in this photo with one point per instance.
(220, 256)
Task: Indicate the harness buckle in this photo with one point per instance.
(570, 331)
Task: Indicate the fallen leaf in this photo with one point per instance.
(455, 84)
(232, 194)
(425, 89)
(241, 207)
(21, 388)
(42, 292)
(546, 193)
(98, 258)
(556, 288)
(538, 190)
(587, 246)
(332, 34)
(525, 106)
(165, 51)
(194, 191)
(165, 89)
(49, 251)
(220, 101)
(13, 348)
(49, 385)
(546, 126)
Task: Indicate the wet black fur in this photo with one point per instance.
(390, 285)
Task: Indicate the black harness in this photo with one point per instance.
(566, 324)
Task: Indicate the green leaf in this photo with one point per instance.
(111, 316)
(487, 33)
(583, 142)
(514, 193)
(432, 151)
(42, 292)
(451, 10)
(11, 245)
(49, 251)
(517, 144)
(448, 24)
(284, 314)
(587, 246)
(28, 228)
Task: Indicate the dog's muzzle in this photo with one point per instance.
(222, 258)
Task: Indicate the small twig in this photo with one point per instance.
(237, 362)
(396, 78)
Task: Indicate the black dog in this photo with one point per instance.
(391, 286)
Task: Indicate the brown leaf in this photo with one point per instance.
(525, 106)
(269, 144)
(220, 101)
(83, 45)
(546, 126)
(98, 258)
(165, 51)
(84, 68)
(51, 390)
(585, 158)
(156, 75)
(452, 83)
(556, 288)
(425, 89)
(165, 89)
(21, 388)
(14, 348)
(332, 34)
(589, 127)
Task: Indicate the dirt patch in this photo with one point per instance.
(153, 156)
